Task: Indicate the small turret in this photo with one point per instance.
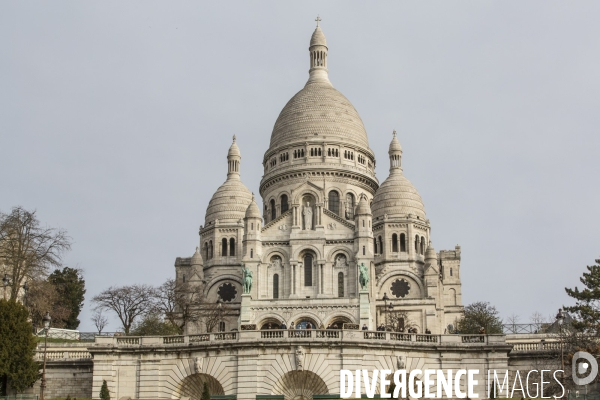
(318, 57)
(395, 153)
(252, 239)
(234, 157)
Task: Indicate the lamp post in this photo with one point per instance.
(385, 300)
(220, 312)
(46, 320)
(390, 309)
(560, 317)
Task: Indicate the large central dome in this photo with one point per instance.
(319, 111)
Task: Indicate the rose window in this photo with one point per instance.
(227, 292)
(400, 288)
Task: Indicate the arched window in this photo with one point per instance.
(276, 286)
(417, 244)
(308, 266)
(232, 247)
(273, 209)
(334, 202)
(183, 278)
(364, 251)
(211, 248)
(380, 245)
(224, 247)
(284, 203)
(341, 284)
(394, 243)
(422, 245)
(206, 250)
(375, 246)
(402, 242)
(349, 206)
(221, 326)
(450, 271)
(251, 253)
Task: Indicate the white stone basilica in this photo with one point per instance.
(325, 214)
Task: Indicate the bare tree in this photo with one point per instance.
(28, 250)
(99, 320)
(210, 314)
(179, 302)
(397, 321)
(128, 302)
(43, 297)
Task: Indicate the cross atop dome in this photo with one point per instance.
(318, 19)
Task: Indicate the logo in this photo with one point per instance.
(583, 367)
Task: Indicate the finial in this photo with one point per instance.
(197, 249)
(252, 196)
(394, 133)
(318, 19)
(233, 138)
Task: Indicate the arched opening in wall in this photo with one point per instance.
(210, 248)
(452, 296)
(341, 284)
(269, 323)
(296, 385)
(334, 202)
(308, 270)
(375, 246)
(422, 245)
(273, 209)
(338, 322)
(276, 286)
(284, 203)
(394, 243)
(302, 323)
(221, 326)
(380, 245)
(232, 247)
(206, 250)
(450, 271)
(193, 385)
(224, 247)
(403, 242)
(417, 244)
(349, 213)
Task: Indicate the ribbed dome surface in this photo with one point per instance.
(363, 207)
(229, 202)
(320, 112)
(397, 197)
(253, 211)
(318, 38)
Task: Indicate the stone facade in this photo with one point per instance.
(324, 215)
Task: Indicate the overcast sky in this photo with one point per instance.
(116, 117)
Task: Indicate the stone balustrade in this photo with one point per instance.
(52, 355)
(275, 335)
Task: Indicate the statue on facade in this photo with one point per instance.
(247, 279)
(198, 361)
(363, 278)
(401, 362)
(299, 358)
(307, 212)
(340, 261)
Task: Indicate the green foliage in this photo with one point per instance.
(104, 393)
(154, 325)
(480, 315)
(70, 287)
(17, 347)
(587, 305)
(205, 392)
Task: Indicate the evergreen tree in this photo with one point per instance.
(104, 393)
(480, 315)
(205, 392)
(587, 301)
(17, 348)
(70, 287)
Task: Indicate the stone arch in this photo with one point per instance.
(300, 384)
(339, 249)
(216, 280)
(383, 280)
(307, 191)
(266, 258)
(301, 250)
(451, 297)
(192, 386)
(343, 317)
(314, 319)
(273, 319)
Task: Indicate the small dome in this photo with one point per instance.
(397, 197)
(363, 207)
(253, 211)
(229, 202)
(430, 252)
(234, 150)
(318, 38)
(197, 258)
(395, 144)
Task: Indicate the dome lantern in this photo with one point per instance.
(395, 153)
(318, 56)
(233, 160)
